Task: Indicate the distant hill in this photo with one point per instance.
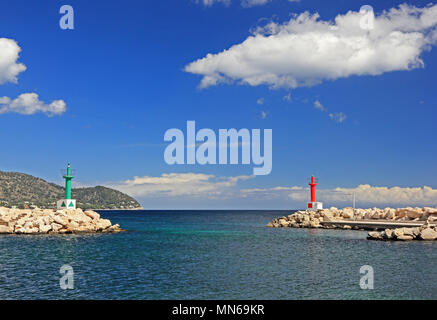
(20, 190)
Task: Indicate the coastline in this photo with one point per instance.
(121, 209)
(385, 224)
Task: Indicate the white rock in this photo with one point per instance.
(60, 220)
(45, 228)
(102, 224)
(6, 229)
(348, 213)
(414, 213)
(92, 214)
(428, 234)
(56, 227)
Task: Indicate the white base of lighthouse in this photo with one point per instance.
(66, 204)
(314, 206)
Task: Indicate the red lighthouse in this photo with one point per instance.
(314, 205)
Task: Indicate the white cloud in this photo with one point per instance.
(338, 117)
(209, 3)
(26, 103)
(180, 185)
(197, 187)
(252, 3)
(260, 101)
(29, 103)
(9, 68)
(263, 115)
(365, 194)
(380, 195)
(244, 3)
(287, 97)
(319, 106)
(306, 50)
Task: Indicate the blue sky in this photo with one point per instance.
(124, 78)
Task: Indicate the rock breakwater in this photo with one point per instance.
(423, 220)
(48, 221)
(425, 232)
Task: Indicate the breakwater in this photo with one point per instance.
(407, 223)
(48, 221)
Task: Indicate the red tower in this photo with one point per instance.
(313, 189)
(314, 205)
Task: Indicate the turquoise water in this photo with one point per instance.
(214, 255)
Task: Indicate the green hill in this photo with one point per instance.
(20, 190)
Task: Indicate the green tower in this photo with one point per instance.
(67, 203)
(68, 178)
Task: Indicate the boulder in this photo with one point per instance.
(414, 213)
(375, 215)
(413, 232)
(80, 218)
(102, 224)
(374, 235)
(388, 234)
(306, 224)
(45, 228)
(424, 216)
(63, 221)
(368, 214)
(430, 211)
(390, 214)
(327, 215)
(400, 213)
(428, 234)
(6, 229)
(348, 213)
(72, 225)
(398, 232)
(405, 238)
(282, 222)
(114, 228)
(92, 214)
(431, 218)
(56, 227)
(315, 223)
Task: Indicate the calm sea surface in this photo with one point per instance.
(214, 255)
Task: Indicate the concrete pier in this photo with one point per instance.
(372, 224)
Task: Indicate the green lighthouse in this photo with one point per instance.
(67, 203)
(68, 178)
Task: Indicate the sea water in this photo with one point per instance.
(214, 255)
